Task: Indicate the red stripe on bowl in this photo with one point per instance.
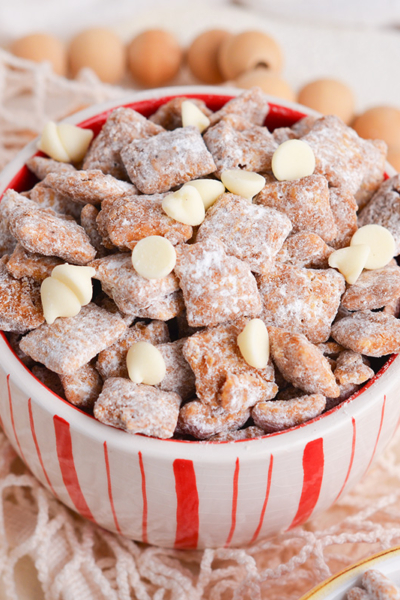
(32, 424)
(313, 469)
(187, 510)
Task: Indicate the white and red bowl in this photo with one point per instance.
(190, 494)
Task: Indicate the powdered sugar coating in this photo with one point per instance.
(132, 218)
(251, 105)
(282, 134)
(216, 287)
(46, 197)
(111, 362)
(235, 143)
(164, 308)
(343, 157)
(123, 125)
(82, 387)
(223, 377)
(301, 300)
(42, 166)
(282, 414)
(42, 231)
(384, 209)
(302, 363)
(252, 233)
(305, 249)
(373, 289)
(71, 342)
(202, 421)
(179, 377)
(357, 593)
(379, 587)
(89, 216)
(137, 408)
(169, 115)
(248, 433)
(352, 368)
(26, 264)
(303, 126)
(20, 307)
(305, 202)
(126, 287)
(369, 333)
(344, 209)
(88, 187)
(157, 164)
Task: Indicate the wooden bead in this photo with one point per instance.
(154, 57)
(101, 50)
(40, 47)
(268, 81)
(248, 50)
(329, 97)
(202, 56)
(380, 123)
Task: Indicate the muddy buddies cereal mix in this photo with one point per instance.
(269, 304)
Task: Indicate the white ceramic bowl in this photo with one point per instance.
(190, 494)
(337, 586)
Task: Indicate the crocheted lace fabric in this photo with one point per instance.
(48, 552)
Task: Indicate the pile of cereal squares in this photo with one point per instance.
(264, 256)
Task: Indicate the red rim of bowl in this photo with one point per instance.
(278, 116)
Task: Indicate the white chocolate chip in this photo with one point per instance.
(185, 206)
(350, 261)
(75, 140)
(77, 279)
(145, 364)
(58, 300)
(381, 244)
(243, 183)
(253, 343)
(292, 160)
(50, 143)
(192, 115)
(209, 190)
(154, 257)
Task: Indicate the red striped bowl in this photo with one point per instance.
(190, 494)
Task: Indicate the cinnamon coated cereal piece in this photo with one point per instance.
(393, 308)
(277, 415)
(305, 202)
(251, 233)
(216, 287)
(301, 300)
(331, 349)
(384, 209)
(248, 433)
(344, 158)
(126, 287)
(369, 333)
(223, 377)
(89, 216)
(202, 421)
(379, 587)
(26, 264)
(159, 163)
(7, 240)
(50, 379)
(20, 307)
(302, 363)
(104, 301)
(251, 105)
(169, 115)
(42, 232)
(137, 408)
(41, 166)
(122, 127)
(46, 197)
(357, 593)
(179, 377)
(373, 289)
(235, 143)
(352, 368)
(164, 308)
(71, 342)
(132, 218)
(88, 187)
(303, 126)
(346, 391)
(111, 361)
(82, 388)
(283, 134)
(344, 209)
(305, 250)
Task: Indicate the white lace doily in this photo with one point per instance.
(47, 552)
